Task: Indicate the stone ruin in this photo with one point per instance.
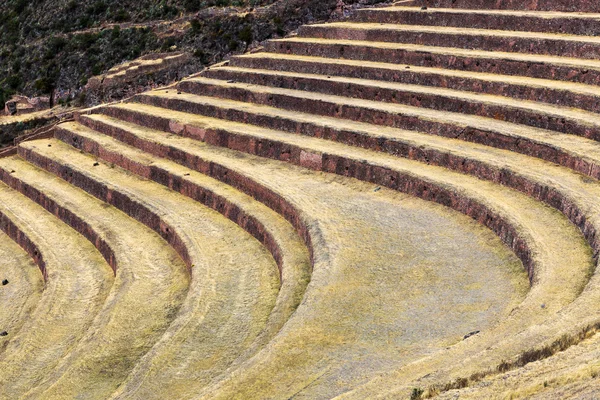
(19, 105)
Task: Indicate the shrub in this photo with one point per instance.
(44, 85)
(121, 16)
(115, 33)
(97, 69)
(416, 394)
(99, 7)
(56, 44)
(245, 34)
(14, 81)
(85, 41)
(5, 94)
(233, 45)
(167, 43)
(20, 6)
(72, 6)
(191, 5)
(195, 26)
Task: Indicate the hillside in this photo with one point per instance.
(58, 45)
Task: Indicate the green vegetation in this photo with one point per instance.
(416, 394)
(37, 69)
(49, 45)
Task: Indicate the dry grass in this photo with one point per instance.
(529, 356)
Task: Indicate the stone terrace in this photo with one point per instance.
(399, 205)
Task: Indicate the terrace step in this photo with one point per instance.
(580, 388)
(233, 287)
(575, 319)
(519, 64)
(564, 45)
(20, 295)
(271, 135)
(303, 163)
(526, 174)
(532, 113)
(147, 268)
(580, 154)
(577, 366)
(542, 172)
(541, 5)
(78, 281)
(535, 21)
(540, 179)
(560, 187)
(561, 119)
(246, 138)
(267, 226)
(541, 90)
(283, 179)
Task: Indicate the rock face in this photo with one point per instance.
(403, 203)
